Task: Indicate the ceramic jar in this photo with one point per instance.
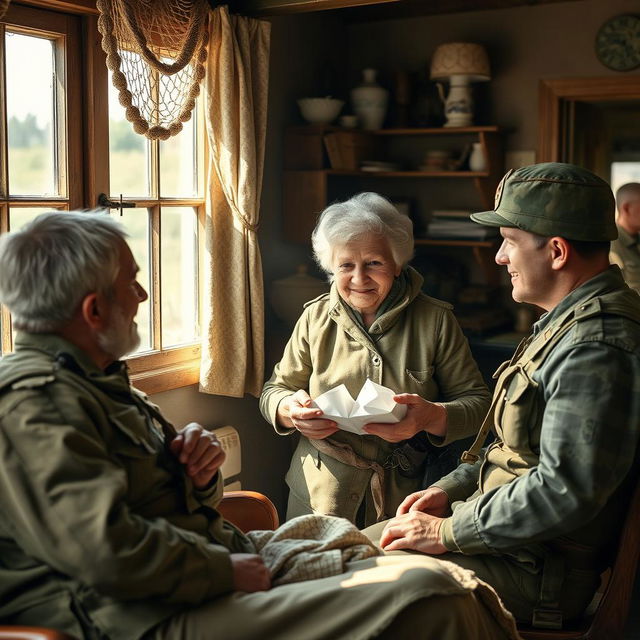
(369, 101)
(477, 160)
(288, 295)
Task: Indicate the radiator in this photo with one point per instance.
(230, 440)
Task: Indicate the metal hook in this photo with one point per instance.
(105, 203)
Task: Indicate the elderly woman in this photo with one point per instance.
(374, 323)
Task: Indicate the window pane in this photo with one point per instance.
(179, 275)
(19, 216)
(136, 222)
(623, 172)
(129, 153)
(30, 113)
(178, 167)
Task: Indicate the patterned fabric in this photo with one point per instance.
(311, 547)
(232, 360)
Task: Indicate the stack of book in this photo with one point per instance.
(456, 224)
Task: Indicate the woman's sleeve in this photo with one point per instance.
(462, 389)
(290, 374)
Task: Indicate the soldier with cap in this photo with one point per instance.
(625, 251)
(538, 511)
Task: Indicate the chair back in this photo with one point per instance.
(608, 620)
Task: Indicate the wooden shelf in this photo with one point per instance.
(445, 242)
(408, 174)
(436, 131)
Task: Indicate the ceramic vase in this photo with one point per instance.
(477, 160)
(369, 101)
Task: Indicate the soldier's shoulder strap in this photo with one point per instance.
(17, 372)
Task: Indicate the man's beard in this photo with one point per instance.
(121, 337)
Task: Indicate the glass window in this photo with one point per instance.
(179, 275)
(166, 238)
(129, 153)
(31, 115)
(19, 216)
(623, 172)
(136, 222)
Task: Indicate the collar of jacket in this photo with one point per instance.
(72, 358)
(338, 307)
(626, 238)
(609, 280)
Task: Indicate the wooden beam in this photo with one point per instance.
(282, 7)
(82, 7)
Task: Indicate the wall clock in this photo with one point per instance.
(618, 43)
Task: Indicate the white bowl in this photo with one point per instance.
(320, 110)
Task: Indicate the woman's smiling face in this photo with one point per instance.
(364, 270)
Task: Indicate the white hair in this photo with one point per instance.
(363, 214)
(48, 266)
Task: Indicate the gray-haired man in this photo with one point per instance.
(537, 513)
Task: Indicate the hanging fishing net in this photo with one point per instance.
(156, 50)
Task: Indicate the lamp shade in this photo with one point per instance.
(460, 59)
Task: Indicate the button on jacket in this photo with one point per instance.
(415, 347)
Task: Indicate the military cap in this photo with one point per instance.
(554, 199)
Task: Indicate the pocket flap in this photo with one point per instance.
(129, 422)
(421, 376)
(518, 386)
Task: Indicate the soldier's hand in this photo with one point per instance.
(249, 573)
(433, 501)
(200, 452)
(414, 530)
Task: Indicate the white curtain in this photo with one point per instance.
(236, 87)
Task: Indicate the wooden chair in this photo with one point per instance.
(608, 618)
(248, 510)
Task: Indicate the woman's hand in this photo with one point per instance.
(433, 501)
(422, 415)
(295, 412)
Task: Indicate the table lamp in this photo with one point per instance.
(461, 63)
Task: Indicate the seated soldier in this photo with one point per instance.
(108, 520)
(537, 514)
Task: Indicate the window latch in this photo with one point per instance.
(105, 203)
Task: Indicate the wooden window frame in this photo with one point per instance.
(158, 370)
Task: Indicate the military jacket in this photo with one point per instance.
(625, 252)
(567, 421)
(415, 347)
(101, 532)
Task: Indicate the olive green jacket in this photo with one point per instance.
(415, 347)
(99, 526)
